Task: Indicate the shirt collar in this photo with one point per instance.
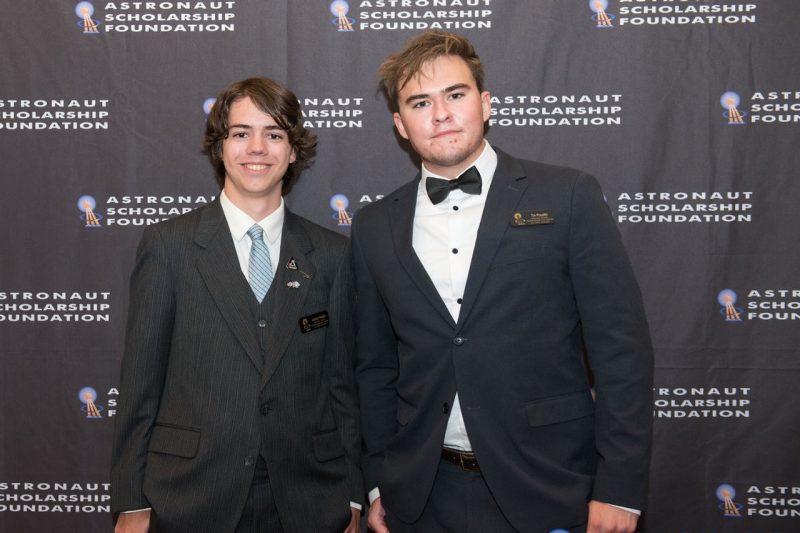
(239, 221)
(486, 165)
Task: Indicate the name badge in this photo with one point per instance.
(317, 320)
(532, 218)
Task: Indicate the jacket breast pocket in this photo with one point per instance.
(559, 409)
(182, 441)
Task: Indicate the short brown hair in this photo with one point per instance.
(399, 68)
(273, 99)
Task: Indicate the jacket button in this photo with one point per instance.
(249, 460)
(458, 341)
(445, 407)
(265, 408)
(262, 323)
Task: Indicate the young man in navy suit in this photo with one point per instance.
(481, 284)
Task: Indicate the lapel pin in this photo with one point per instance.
(292, 265)
(293, 284)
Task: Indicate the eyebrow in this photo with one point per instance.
(249, 127)
(423, 96)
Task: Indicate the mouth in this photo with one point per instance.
(446, 133)
(254, 167)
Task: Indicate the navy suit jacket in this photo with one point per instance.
(200, 399)
(536, 294)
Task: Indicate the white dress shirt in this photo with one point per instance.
(239, 222)
(444, 239)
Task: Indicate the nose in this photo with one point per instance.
(257, 145)
(441, 112)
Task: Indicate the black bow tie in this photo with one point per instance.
(469, 182)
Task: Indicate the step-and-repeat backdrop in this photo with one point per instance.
(687, 111)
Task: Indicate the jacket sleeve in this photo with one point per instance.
(148, 335)
(618, 344)
(340, 358)
(377, 365)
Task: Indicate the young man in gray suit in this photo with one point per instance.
(239, 410)
(479, 284)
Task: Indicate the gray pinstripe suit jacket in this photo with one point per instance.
(201, 399)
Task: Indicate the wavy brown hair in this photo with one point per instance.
(397, 69)
(273, 99)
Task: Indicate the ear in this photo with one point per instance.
(398, 123)
(486, 105)
(292, 156)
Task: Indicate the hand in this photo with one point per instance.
(376, 519)
(355, 519)
(605, 518)
(135, 522)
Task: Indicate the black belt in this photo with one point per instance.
(466, 460)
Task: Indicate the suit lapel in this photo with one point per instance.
(401, 216)
(219, 267)
(508, 184)
(289, 290)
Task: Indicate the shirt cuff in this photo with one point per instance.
(373, 495)
(135, 510)
(355, 505)
(637, 512)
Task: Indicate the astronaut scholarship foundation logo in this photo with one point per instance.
(92, 409)
(340, 20)
(556, 110)
(601, 17)
(157, 17)
(383, 15)
(691, 401)
(730, 102)
(88, 25)
(762, 305)
(136, 210)
(768, 501)
(773, 501)
(765, 107)
(691, 207)
(672, 13)
(54, 497)
(87, 205)
(339, 203)
(55, 306)
(62, 114)
(333, 112)
(727, 300)
(725, 495)
(88, 397)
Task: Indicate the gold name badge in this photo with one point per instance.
(532, 218)
(311, 322)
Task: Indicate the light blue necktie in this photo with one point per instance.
(260, 268)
